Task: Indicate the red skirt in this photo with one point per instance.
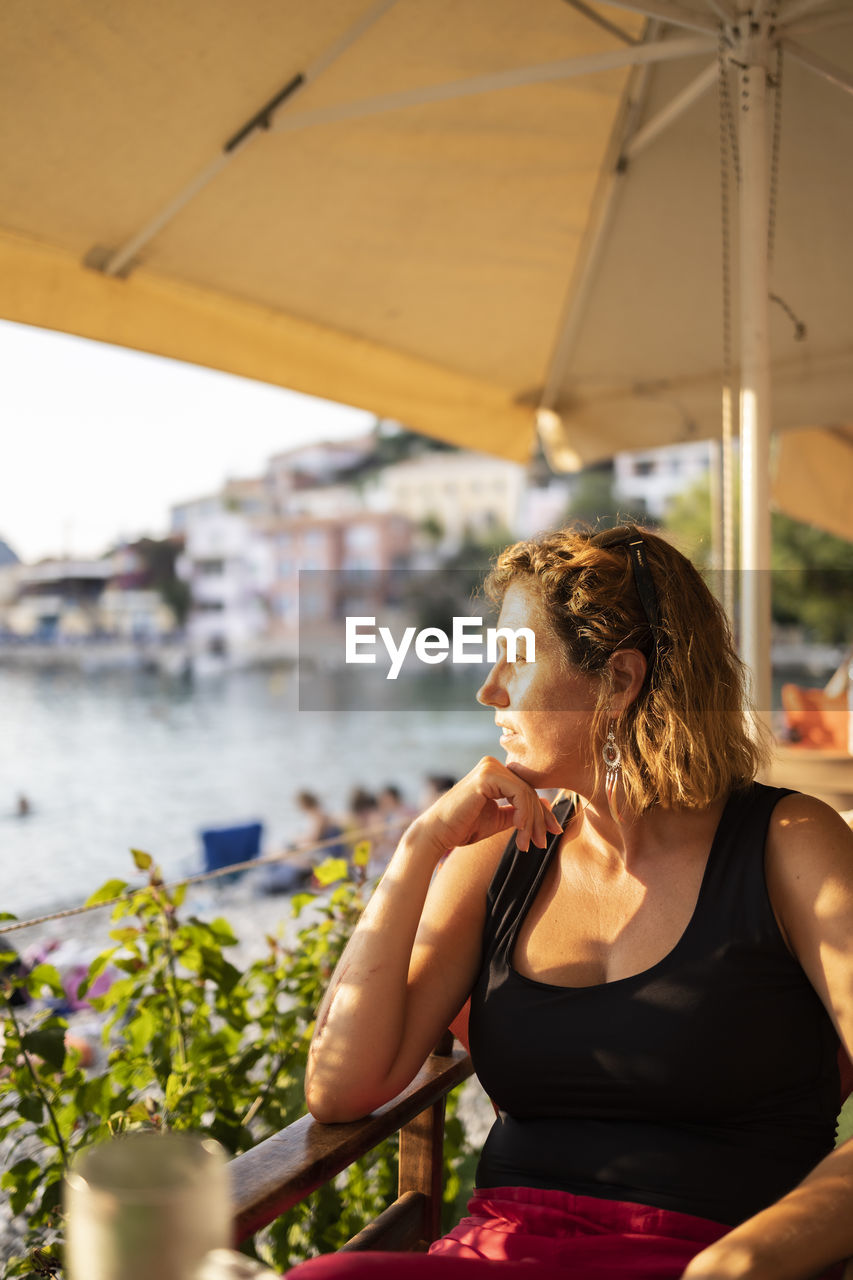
(581, 1236)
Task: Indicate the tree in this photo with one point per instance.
(812, 570)
(594, 502)
(159, 557)
(436, 596)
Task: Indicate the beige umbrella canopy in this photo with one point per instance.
(813, 478)
(404, 235)
(456, 213)
(410, 259)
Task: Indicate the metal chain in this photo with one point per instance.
(773, 192)
(365, 833)
(773, 196)
(729, 161)
(728, 124)
(725, 208)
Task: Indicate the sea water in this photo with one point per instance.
(119, 760)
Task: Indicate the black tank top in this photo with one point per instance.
(707, 1084)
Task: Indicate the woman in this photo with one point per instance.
(659, 970)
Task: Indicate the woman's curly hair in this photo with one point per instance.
(690, 735)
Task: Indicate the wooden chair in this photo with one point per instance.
(284, 1169)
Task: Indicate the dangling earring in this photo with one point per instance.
(613, 765)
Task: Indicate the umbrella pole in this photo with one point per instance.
(755, 362)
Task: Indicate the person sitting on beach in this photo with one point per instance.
(659, 969)
(319, 826)
(302, 854)
(362, 820)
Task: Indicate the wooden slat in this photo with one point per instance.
(422, 1164)
(281, 1171)
(399, 1227)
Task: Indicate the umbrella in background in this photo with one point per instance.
(813, 478)
(470, 215)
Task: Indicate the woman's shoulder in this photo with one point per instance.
(809, 865)
(802, 825)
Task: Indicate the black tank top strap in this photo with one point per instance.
(734, 887)
(516, 882)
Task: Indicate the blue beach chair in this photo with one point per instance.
(227, 846)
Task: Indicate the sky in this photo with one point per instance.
(96, 442)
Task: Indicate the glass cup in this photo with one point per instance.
(146, 1206)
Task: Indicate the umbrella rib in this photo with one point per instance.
(669, 11)
(671, 112)
(604, 205)
(588, 64)
(818, 22)
(843, 79)
(601, 21)
(723, 10)
(116, 263)
(795, 8)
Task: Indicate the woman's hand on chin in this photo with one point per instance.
(490, 799)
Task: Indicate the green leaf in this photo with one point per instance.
(94, 1096)
(174, 1090)
(140, 1030)
(117, 992)
(361, 853)
(22, 1180)
(96, 968)
(112, 889)
(47, 1043)
(51, 1195)
(45, 975)
(24, 1171)
(331, 870)
(138, 1113)
(127, 936)
(31, 1108)
(222, 932)
(143, 861)
(216, 968)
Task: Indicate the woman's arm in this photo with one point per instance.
(809, 863)
(415, 953)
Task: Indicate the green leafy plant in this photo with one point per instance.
(194, 1043)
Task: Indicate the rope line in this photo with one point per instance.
(10, 926)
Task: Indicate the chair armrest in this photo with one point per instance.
(282, 1170)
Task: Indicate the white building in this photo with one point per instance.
(305, 481)
(464, 493)
(59, 599)
(656, 476)
(137, 614)
(228, 563)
